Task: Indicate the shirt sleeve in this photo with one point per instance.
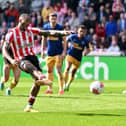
(34, 30)
(70, 38)
(9, 37)
(45, 27)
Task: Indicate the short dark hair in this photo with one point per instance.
(82, 27)
(53, 14)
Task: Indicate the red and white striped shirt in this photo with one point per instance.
(22, 42)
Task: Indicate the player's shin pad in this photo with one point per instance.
(43, 82)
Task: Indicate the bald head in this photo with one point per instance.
(24, 21)
(24, 17)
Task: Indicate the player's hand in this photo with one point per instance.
(15, 62)
(63, 55)
(68, 32)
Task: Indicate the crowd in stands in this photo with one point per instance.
(105, 20)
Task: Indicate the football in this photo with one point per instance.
(97, 87)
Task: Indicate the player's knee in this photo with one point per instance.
(27, 67)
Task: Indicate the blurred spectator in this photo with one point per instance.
(27, 4)
(101, 3)
(33, 19)
(108, 13)
(122, 44)
(94, 40)
(3, 29)
(22, 8)
(57, 7)
(91, 14)
(64, 9)
(111, 27)
(36, 5)
(5, 9)
(82, 10)
(114, 45)
(102, 42)
(91, 33)
(100, 30)
(39, 19)
(122, 23)
(103, 21)
(67, 17)
(102, 48)
(87, 23)
(46, 10)
(74, 21)
(72, 4)
(124, 1)
(54, 2)
(12, 24)
(117, 8)
(12, 14)
(101, 13)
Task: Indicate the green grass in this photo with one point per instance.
(78, 107)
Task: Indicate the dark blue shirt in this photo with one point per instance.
(111, 28)
(77, 46)
(54, 44)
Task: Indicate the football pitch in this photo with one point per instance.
(78, 107)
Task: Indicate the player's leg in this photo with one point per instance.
(33, 94)
(31, 66)
(66, 75)
(59, 62)
(28, 67)
(14, 82)
(75, 66)
(71, 78)
(66, 71)
(50, 61)
(6, 74)
(72, 74)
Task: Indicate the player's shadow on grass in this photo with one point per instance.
(98, 114)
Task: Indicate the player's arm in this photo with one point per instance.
(86, 50)
(55, 33)
(43, 43)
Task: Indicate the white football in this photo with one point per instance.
(97, 87)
